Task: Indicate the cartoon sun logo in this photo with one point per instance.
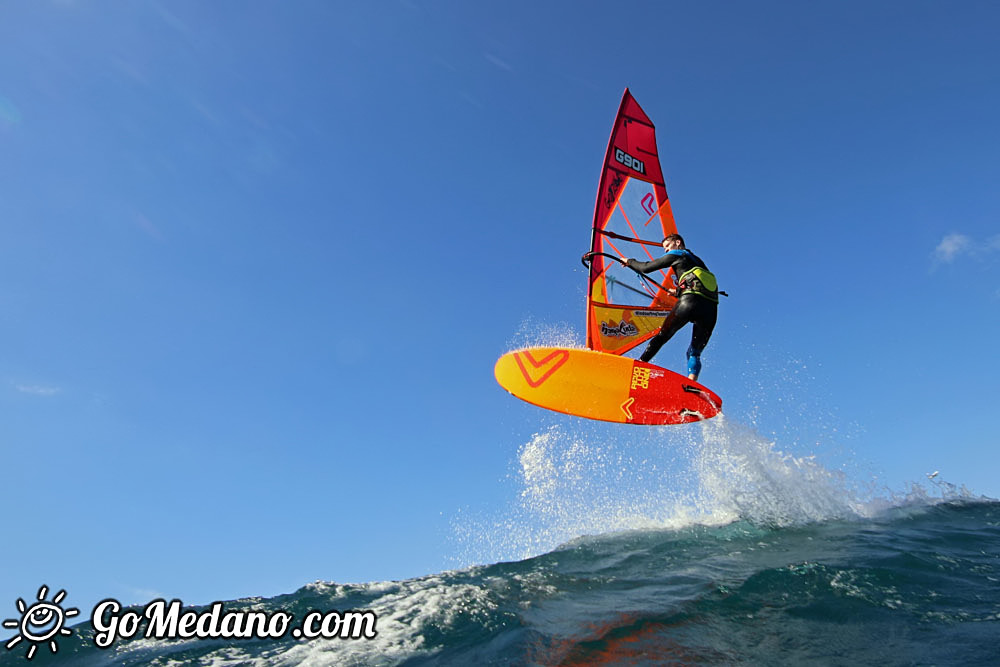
(41, 622)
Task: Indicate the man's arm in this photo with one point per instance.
(664, 262)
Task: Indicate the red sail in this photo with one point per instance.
(631, 217)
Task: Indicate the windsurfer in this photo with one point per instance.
(697, 302)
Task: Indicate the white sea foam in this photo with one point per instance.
(582, 478)
(532, 333)
(744, 475)
(578, 478)
(407, 611)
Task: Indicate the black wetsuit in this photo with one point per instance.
(696, 304)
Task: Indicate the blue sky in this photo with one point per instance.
(257, 260)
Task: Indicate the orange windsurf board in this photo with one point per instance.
(604, 386)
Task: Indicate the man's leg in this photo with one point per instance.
(675, 320)
(701, 332)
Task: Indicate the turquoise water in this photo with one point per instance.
(751, 557)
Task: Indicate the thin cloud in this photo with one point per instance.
(172, 20)
(472, 100)
(441, 62)
(961, 247)
(951, 247)
(37, 389)
(146, 225)
(9, 115)
(956, 245)
(499, 63)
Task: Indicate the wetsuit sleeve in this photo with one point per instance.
(664, 262)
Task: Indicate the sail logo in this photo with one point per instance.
(613, 186)
(649, 203)
(629, 161)
(621, 330)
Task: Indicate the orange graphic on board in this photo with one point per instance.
(548, 365)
